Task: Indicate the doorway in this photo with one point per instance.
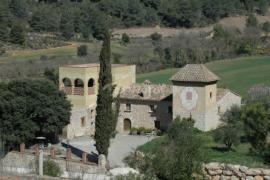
(127, 125)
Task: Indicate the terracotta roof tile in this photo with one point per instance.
(147, 91)
(194, 73)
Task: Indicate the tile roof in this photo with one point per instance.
(194, 73)
(147, 91)
(221, 93)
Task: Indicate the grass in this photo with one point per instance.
(63, 51)
(236, 74)
(239, 155)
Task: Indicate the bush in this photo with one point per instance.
(141, 131)
(230, 131)
(125, 39)
(181, 156)
(2, 50)
(82, 50)
(134, 131)
(252, 21)
(257, 125)
(51, 168)
(156, 37)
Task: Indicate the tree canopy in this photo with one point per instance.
(31, 108)
(90, 17)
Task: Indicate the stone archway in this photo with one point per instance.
(127, 125)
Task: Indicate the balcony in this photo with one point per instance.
(91, 90)
(78, 91)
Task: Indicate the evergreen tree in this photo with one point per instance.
(17, 34)
(18, 8)
(104, 116)
(67, 24)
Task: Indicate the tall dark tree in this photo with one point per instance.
(18, 8)
(104, 116)
(17, 34)
(67, 24)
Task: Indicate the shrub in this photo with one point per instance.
(51, 168)
(156, 37)
(266, 27)
(2, 49)
(82, 50)
(134, 131)
(43, 58)
(257, 124)
(125, 39)
(252, 21)
(141, 131)
(229, 133)
(181, 156)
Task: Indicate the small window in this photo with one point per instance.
(170, 109)
(152, 108)
(83, 122)
(210, 95)
(92, 113)
(128, 107)
(219, 109)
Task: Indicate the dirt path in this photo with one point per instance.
(238, 22)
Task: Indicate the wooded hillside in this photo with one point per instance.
(82, 19)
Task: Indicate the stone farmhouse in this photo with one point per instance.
(193, 93)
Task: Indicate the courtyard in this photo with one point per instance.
(121, 146)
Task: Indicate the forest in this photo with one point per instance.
(83, 19)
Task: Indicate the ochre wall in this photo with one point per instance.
(123, 76)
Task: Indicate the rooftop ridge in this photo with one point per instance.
(194, 73)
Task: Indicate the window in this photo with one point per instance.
(83, 122)
(152, 108)
(219, 109)
(170, 109)
(210, 95)
(92, 113)
(128, 107)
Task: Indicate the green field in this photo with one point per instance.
(215, 152)
(236, 74)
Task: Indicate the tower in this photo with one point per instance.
(194, 95)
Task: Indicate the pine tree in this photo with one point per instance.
(104, 116)
(66, 24)
(17, 34)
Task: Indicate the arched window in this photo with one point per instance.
(67, 86)
(67, 82)
(78, 83)
(78, 87)
(91, 82)
(91, 86)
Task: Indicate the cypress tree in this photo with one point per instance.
(104, 113)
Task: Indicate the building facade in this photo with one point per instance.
(193, 93)
(80, 83)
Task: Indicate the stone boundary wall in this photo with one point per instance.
(15, 162)
(219, 171)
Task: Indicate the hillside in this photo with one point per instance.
(229, 22)
(236, 74)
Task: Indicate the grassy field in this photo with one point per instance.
(213, 153)
(236, 74)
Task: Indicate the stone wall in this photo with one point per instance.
(141, 115)
(219, 171)
(15, 162)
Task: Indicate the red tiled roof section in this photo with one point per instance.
(147, 91)
(195, 73)
(221, 93)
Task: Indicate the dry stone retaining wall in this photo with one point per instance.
(218, 171)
